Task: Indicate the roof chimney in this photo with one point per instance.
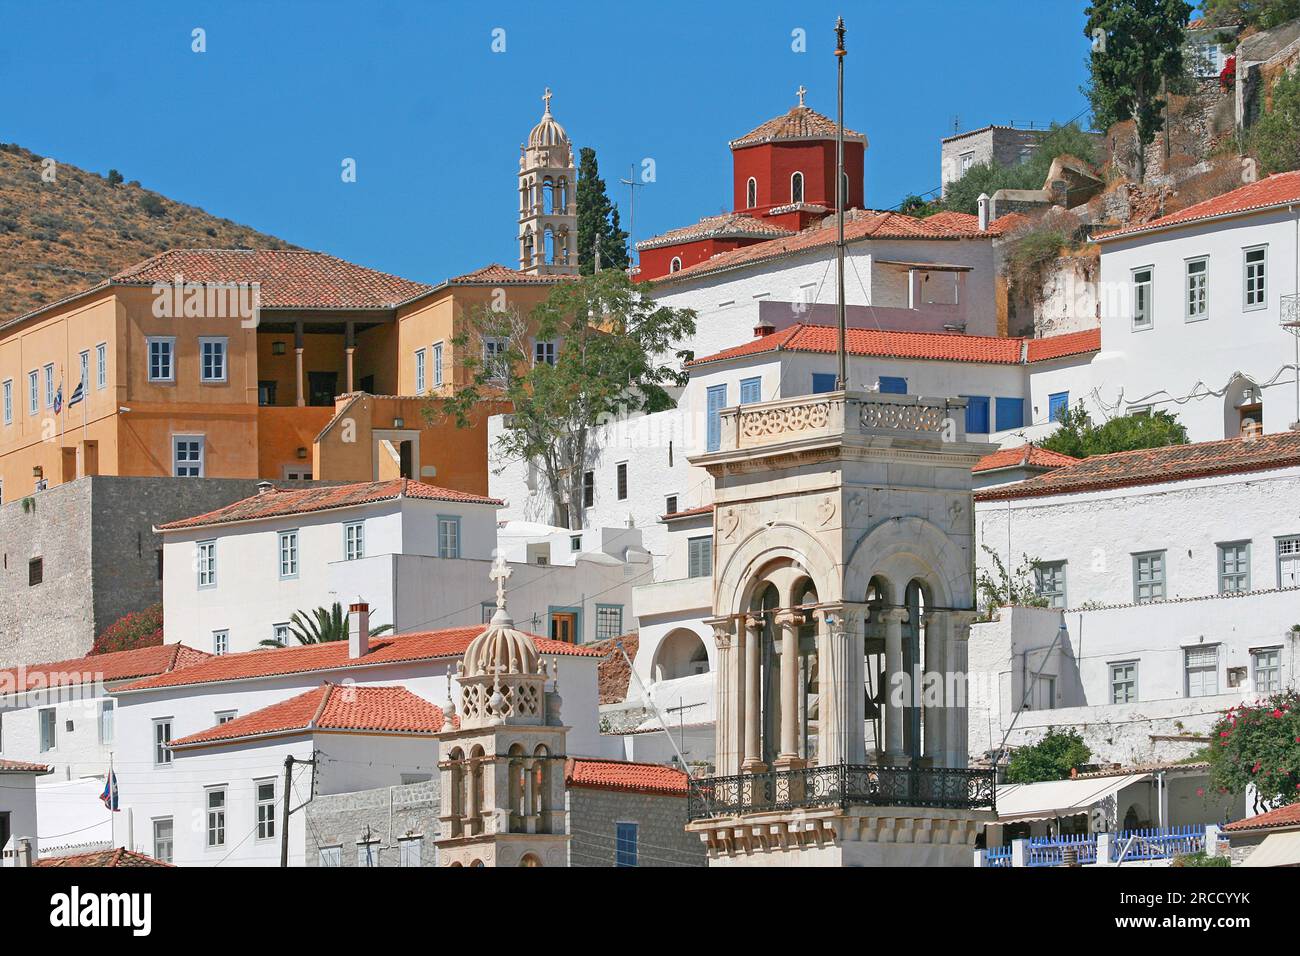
(984, 211)
(358, 629)
(264, 488)
(763, 329)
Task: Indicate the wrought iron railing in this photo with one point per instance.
(842, 785)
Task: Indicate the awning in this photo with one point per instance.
(1021, 802)
(1278, 849)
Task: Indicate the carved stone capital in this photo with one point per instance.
(891, 615)
(789, 618)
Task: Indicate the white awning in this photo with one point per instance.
(1021, 802)
(1278, 849)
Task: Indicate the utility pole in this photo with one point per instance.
(840, 53)
(632, 186)
(284, 816)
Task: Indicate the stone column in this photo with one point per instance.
(349, 348)
(297, 351)
(789, 622)
(934, 702)
(893, 619)
(840, 688)
(957, 743)
(751, 718)
(726, 688)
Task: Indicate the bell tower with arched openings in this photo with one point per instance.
(548, 200)
(501, 755)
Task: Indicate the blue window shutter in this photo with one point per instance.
(977, 414)
(717, 401)
(823, 382)
(891, 385)
(751, 390)
(1056, 404)
(1011, 413)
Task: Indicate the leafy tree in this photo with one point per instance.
(1058, 140)
(152, 205)
(1259, 744)
(321, 625)
(1275, 137)
(114, 177)
(1265, 14)
(919, 206)
(1079, 437)
(137, 629)
(1002, 588)
(1052, 758)
(1137, 49)
(612, 342)
(597, 219)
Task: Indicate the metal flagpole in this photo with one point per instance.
(840, 193)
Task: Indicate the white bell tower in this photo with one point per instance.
(548, 201)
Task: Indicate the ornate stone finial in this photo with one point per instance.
(546, 98)
(499, 573)
(800, 93)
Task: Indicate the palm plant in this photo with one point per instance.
(320, 626)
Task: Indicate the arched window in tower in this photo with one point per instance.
(796, 187)
(751, 193)
(518, 793)
(540, 780)
(562, 195)
(528, 253)
(675, 265)
(476, 757)
(530, 859)
(458, 781)
(548, 195)
(552, 246)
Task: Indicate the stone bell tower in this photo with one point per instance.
(548, 200)
(502, 763)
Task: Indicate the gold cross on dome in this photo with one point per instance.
(800, 93)
(500, 571)
(546, 98)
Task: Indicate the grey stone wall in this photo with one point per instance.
(662, 839)
(380, 817)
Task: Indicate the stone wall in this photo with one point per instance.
(662, 839)
(380, 817)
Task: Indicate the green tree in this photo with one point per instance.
(613, 342)
(1265, 14)
(1058, 140)
(1137, 49)
(1078, 436)
(597, 219)
(321, 625)
(1052, 758)
(1259, 744)
(1275, 138)
(114, 177)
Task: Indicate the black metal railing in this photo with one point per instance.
(842, 785)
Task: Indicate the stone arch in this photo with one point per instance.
(751, 193)
(900, 550)
(1243, 407)
(779, 541)
(682, 653)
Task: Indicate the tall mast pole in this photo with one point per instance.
(840, 52)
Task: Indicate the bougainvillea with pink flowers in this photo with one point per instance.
(138, 629)
(1259, 743)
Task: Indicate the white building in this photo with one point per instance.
(18, 807)
(1176, 573)
(418, 554)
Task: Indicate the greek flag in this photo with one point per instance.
(110, 794)
(78, 394)
(58, 399)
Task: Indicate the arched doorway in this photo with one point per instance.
(681, 654)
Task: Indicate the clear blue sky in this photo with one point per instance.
(255, 129)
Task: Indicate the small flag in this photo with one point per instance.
(77, 395)
(58, 399)
(110, 794)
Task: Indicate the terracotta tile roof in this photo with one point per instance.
(116, 666)
(1280, 189)
(802, 122)
(1008, 223)
(727, 226)
(22, 766)
(289, 279)
(1151, 466)
(613, 676)
(1287, 816)
(938, 346)
(391, 710)
(120, 857)
(1119, 770)
(688, 513)
(624, 775)
(279, 502)
(497, 274)
(449, 642)
(1023, 456)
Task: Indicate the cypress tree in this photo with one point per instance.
(597, 219)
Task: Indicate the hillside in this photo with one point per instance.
(59, 237)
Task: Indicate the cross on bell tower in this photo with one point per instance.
(548, 201)
(801, 92)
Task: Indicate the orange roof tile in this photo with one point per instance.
(279, 502)
(120, 857)
(625, 775)
(1151, 466)
(22, 766)
(1280, 189)
(1287, 816)
(1060, 346)
(497, 274)
(449, 642)
(1023, 456)
(687, 513)
(390, 710)
(100, 668)
(801, 122)
(731, 225)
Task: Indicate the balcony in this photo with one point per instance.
(842, 786)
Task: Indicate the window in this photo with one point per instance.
(609, 621)
(1050, 582)
(625, 843)
(1043, 695)
(162, 736)
(751, 193)
(9, 401)
(670, 505)
(163, 831)
(575, 543)
(187, 456)
(288, 554)
(106, 714)
(543, 353)
(1288, 561)
(1010, 413)
(675, 265)
(33, 393)
(212, 359)
(419, 371)
(1234, 566)
(448, 536)
(162, 351)
(49, 386)
(824, 382)
(220, 642)
(217, 817)
(1124, 682)
(494, 350)
(796, 187)
(1058, 403)
(622, 480)
(85, 371)
(331, 856)
(588, 489)
(368, 854)
(1143, 287)
(48, 729)
(1149, 577)
(101, 365)
(716, 402)
(487, 609)
(1201, 671)
(280, 634)
(699, 557)
(751, 390)
(354, 540)
(892, 385)
(977, 414)
(35, 571)
(1197, 290)
(410, 851)
(1267, 664)
(436, 361)
(206, 563)
(265, 793)
(1254, 282)
(225, 716)
(967, 160)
